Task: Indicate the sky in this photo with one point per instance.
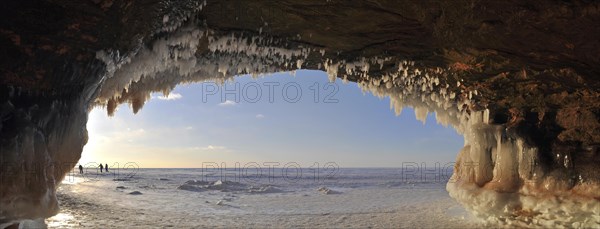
(267, 120)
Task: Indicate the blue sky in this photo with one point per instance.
(197, 124)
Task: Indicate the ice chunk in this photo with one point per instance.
(193, 188)
(327, 191)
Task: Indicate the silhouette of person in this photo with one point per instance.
(106, 167)
(80, 169)
(101, 167)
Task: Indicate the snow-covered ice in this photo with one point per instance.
(379, 198)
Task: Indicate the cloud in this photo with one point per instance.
(212, 148)
(227, 103)
(259, 116)
(171, 96)
(189, 127)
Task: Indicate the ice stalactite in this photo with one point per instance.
(174, 60)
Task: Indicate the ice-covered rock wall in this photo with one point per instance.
(501, 179)
(42, 139)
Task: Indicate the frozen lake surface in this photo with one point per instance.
(185, 198)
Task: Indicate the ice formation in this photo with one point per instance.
(226, 186)
(327, 191)
(497, 175)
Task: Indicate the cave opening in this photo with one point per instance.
(288, 134)
(323, 115)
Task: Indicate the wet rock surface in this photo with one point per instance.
(534, 65)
